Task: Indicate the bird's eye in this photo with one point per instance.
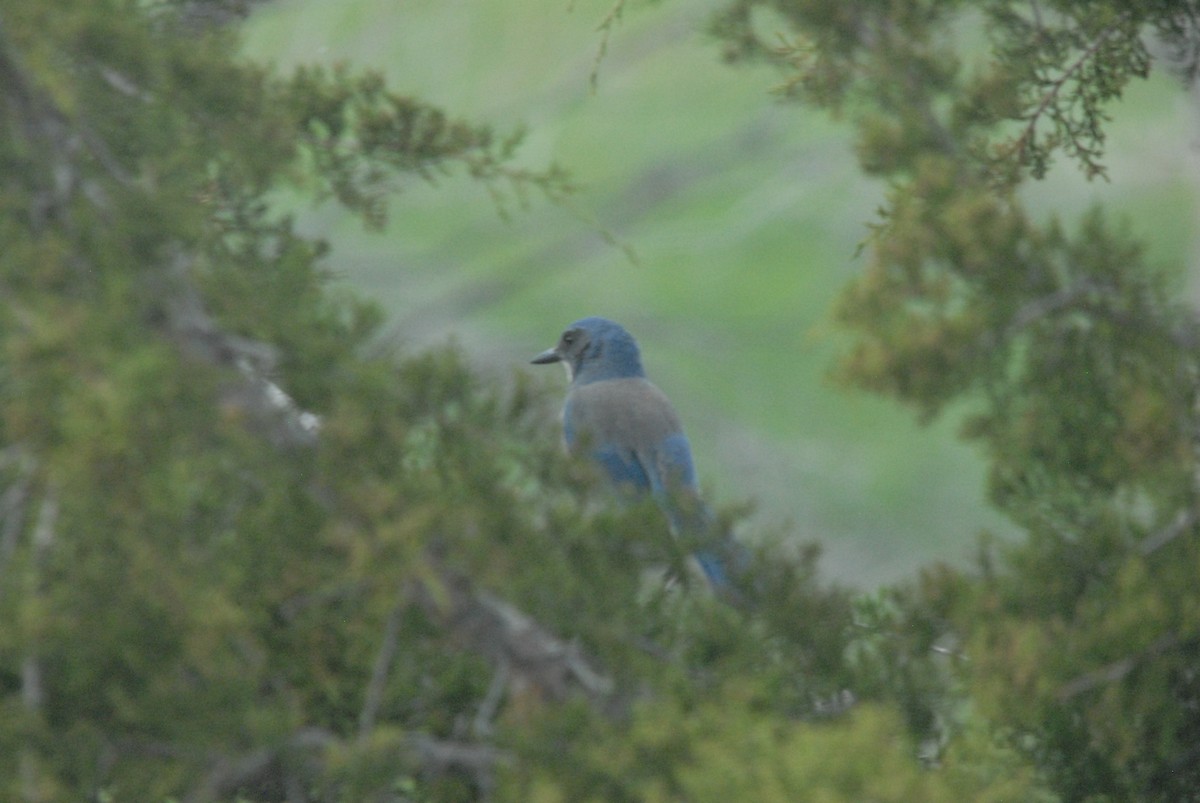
(568, 338)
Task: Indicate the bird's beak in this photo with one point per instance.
(546, 357)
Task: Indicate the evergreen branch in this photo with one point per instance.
(536, 659)
(1106, 301)
(361, 139)
(1043, 306)
(605, 29)
(916, 87)
(255, 396)
(45, 125)
(44, 121)
(1117, 670)
(1049, 100)
(297, 760)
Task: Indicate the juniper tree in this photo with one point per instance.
(250, 550)
(1076, 362)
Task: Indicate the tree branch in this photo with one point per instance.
(45, 124)
(1044, 306)
(1117, 670)
(1157, 540)
(479, 761)
(254, 396)
(1050, 99)
(263, 767)
(373, 697)
(291, 765)
(14, 503)
(32, 683)
(534, 657)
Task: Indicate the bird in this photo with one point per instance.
(632, 431)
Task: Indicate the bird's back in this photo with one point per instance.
(631, 427)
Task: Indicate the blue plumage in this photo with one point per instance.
(630, 427)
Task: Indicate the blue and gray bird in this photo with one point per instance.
(633, 431)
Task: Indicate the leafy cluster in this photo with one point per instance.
(1073, 360)
(250, 552)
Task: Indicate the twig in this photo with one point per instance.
(605, 29)
(437, 756)
(44, 121)
(32, 688)
(373, 697)
(1157, 540)
(1043, 306)
(481, 725)
(13, 505)
(123, 84)
(1117, 670)
(1037, 16)
(229, 774)
(1056, 86)
(296, 761)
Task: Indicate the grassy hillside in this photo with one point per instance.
(744, 215)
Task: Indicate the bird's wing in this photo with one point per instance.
(630, 428)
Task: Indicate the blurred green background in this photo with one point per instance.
(745, 215)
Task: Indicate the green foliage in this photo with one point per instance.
(1072, 360)
(358, 138)
(721, 749)
(248, 551)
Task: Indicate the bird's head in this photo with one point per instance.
(595, 348)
